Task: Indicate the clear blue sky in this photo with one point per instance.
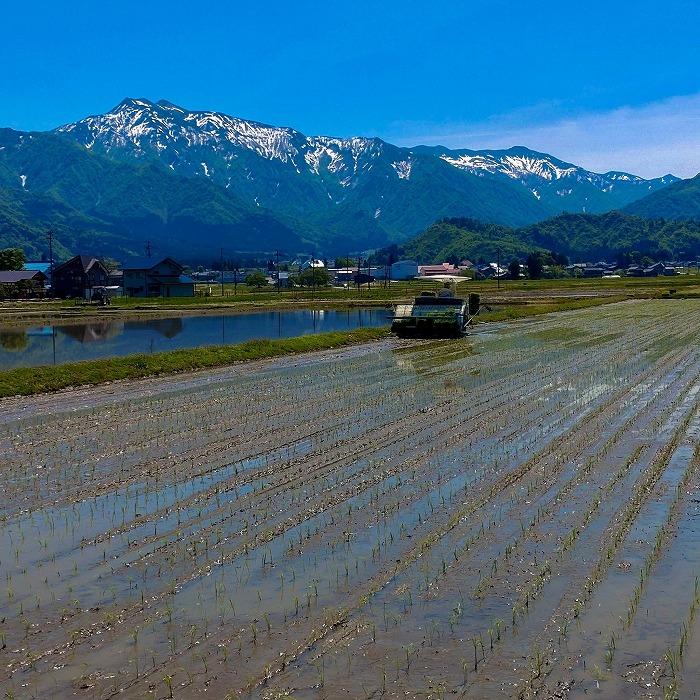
(593, 81)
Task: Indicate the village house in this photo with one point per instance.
(659, 268)
(21, 283)
(491, 271)
(43, 266)
(156, 277)
(318, 264)
(78, 276)
(433, 270)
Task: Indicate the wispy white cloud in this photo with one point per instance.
(648, 140)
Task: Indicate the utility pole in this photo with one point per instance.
(313, 277)
(148, 249)
(277, 267)
(498, 267)
(50, 234)
(221, 264)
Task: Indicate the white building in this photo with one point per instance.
(312, 263)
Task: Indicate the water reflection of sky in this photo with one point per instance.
(45, 345)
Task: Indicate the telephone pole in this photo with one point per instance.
(277, 267)
(313, 277)
(148, 249)
(50, 236)
(498, 267)
(222, 273)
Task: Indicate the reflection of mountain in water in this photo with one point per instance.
(92, 332)
(168, 327)
(98, 332)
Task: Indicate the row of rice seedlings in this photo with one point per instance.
(535, 520)
(673, 657)
(623, 523)
(662, 536)
(443, 566)
(211, 421)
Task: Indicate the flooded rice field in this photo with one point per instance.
(75, 342)
(515, 514)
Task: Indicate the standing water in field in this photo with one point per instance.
(512, 515)
(51, 345)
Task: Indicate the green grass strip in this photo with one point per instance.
(26, 381)
(523, 310)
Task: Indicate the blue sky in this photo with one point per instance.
(610, 85)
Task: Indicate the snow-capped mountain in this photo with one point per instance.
(286, 171)
(202, 180)
(349, 188)
(562, 185)
(231, 152)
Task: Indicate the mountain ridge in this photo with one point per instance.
(138, 128)
(612, 235)
(680, 200)
(155, 168)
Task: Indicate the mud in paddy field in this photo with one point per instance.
(515, 514)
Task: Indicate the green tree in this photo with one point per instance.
(534, 266)
(256, 279)
(313, 277)
(12, 259)
(514, 269)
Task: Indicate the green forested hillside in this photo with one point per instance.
(579, 236)
(592, 236)
(101, 206)
(459, 238)
(678, 201)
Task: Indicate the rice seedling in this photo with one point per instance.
(345, 506)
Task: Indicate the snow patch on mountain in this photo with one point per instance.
(513, 166)
(228, 150)
(402, 168)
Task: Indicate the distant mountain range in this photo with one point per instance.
(195, 181)
(582, 237)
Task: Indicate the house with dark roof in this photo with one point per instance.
(156, 277)
(594, 271)
(21, 283)
(659, 268)
(39, 266)
(78, 276)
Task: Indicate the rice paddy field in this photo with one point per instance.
(515, 514)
